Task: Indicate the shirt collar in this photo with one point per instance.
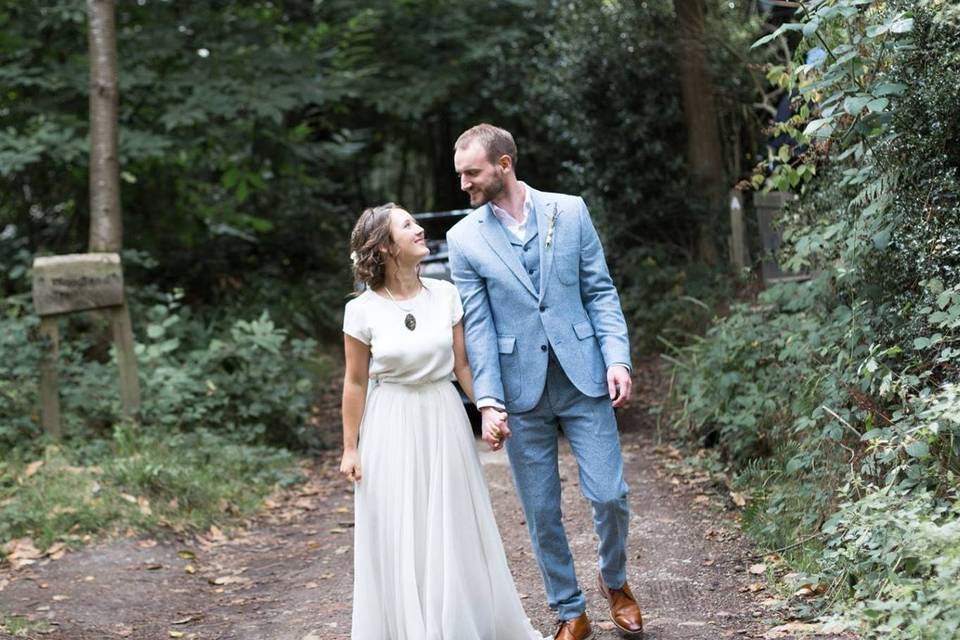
(509, 220)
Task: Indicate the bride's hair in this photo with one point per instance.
(372, 232)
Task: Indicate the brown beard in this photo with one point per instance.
(489, 193)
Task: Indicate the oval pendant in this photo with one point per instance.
(410, 322)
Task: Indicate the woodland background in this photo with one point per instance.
(253, 133)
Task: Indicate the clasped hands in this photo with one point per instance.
(494, 427)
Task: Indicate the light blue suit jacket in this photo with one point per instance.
(509, 326)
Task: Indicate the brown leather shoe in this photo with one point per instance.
(624, 610)
(576, 629)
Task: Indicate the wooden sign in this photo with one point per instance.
(82, 282)
(77, 282)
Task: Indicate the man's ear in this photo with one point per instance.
(506, 164)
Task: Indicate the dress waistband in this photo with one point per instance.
(416, 383)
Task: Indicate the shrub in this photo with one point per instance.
(835, 398)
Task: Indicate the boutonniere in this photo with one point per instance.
(553, 223)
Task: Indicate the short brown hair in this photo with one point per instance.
(498, 142)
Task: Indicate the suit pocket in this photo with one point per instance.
(566, 262)
(584, 329)
(509, 366)
(590, 350)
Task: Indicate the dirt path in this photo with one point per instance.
(287, 575)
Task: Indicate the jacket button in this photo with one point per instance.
(543, 347)
(543, 307)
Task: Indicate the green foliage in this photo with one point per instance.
(244, 377)
(835, 398)
(248, 378)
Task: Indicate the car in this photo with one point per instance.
(435, 226)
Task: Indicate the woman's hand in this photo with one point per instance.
(350, 465)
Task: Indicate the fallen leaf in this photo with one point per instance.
(147, 544)
(738, 499)
(186, 554)
(756, 586)
(33, 467)
(21, 552)
(789, 629)
(60, 598)
(342, 550)
(190, 569)
(176, 634)
(144, 505)
(184, 620)
(757, 569)
(57, 550)
(222, 580)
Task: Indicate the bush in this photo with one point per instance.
(835, 399)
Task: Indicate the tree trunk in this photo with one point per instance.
(106, 225)
(704, 152)
(106, 222)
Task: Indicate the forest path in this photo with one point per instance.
(287, 574)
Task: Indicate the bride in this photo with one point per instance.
(428, 560)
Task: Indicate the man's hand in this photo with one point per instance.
(619, 384)
(493, 427)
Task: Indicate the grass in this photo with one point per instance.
(142, 479)
(20, 627)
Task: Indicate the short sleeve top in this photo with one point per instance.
(401, 355)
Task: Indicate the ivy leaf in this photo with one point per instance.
(855, 104)
(903, 25)
(815, 125)
(917, 449)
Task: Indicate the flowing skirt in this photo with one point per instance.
(428, 560)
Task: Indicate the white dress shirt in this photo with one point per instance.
(517, 227)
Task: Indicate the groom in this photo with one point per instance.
(547, 342)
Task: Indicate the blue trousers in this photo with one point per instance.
(591, 428)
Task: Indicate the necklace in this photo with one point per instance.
(410, 321)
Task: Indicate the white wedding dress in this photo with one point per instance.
(428, 560)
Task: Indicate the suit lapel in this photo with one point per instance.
(544, 209)
(496, 236)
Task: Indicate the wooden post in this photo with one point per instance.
(739, 252)
(126, 358)
(49, 396)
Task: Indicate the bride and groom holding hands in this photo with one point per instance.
(534, 333)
